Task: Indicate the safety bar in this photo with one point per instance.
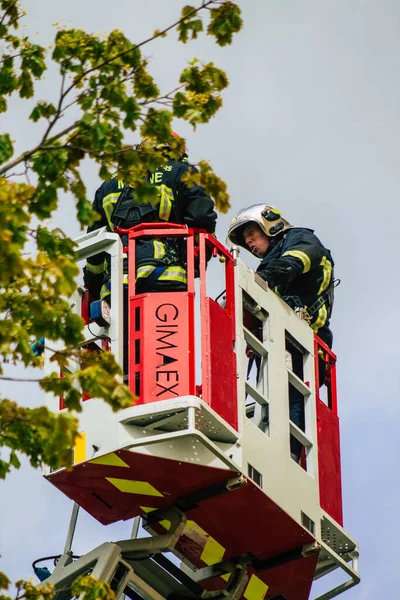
(330, 374)
(158, 230)
(165, 230)
(208, 240)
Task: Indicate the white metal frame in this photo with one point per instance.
(88, 245)
(200, 435)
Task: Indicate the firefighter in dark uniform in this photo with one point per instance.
(159, 262)
(298, 268)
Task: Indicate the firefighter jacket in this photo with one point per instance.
(160, 261)
(300, 270)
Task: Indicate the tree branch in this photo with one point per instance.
(19, 380)
(164, 97)
(8, 9)
(58, 113)
(9, 57)
(205, 4)
(26, 155)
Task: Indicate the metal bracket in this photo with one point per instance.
(159, 543)
(339, 562)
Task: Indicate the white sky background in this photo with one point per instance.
(311, 124)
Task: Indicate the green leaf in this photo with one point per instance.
(132, 111)
(4, 581)
(225, 21)
(144, 85)
(8, 77)
(6, 148)
(42, 110)
(191, 24)
(26, 85)
(14, 461)
(92, 588)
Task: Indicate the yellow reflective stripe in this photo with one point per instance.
(96, 269)
(166, 200)
(174, 274)
(327, 274)
(159, 249)
(104, 292)
(144, 271)
(108, 206)
(301, 256)
(125, 279)
(120, 184)
(321, 319)
(111, 198)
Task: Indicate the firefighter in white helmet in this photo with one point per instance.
(296, 266)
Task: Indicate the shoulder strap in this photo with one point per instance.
(118, 203)
(148, 282)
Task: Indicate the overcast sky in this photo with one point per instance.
(310, 124)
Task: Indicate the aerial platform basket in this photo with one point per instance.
(204, 455)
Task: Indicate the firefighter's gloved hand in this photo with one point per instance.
(278, 274)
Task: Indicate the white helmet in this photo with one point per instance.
(267, 217)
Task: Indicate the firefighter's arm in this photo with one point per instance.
(198, 208)
(95, 268)
(298, 259)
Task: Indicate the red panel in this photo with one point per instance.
(86, 483)
(330, 478)
(330, 482)
(85, 307)
(161, 349)
(246, 520)
(221, 363)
